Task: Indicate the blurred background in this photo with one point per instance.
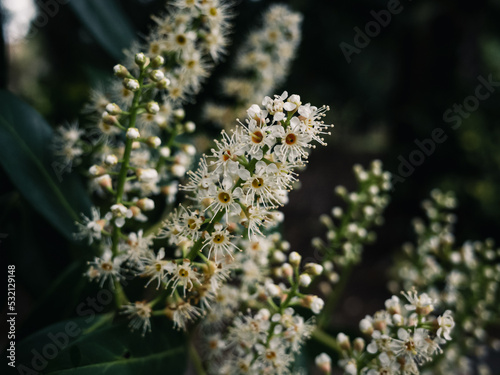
(398, 84)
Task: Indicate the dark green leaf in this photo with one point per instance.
(107, 22)
(103, 347)
(25, 154)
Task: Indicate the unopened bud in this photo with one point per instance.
(131, 84)
(120, 71)
(97, 170)
(104, 181)
(343, 341)
(156, 75)
(157, 61)
(152, 108)
(287, 270)
(189, 127)
(147, 175)
(294, 258)
(313, 269)
(358, 344)
(305, 280)
(165, 152)
(163, 84)
(111, 160)
(179, 113)
(108, 119)
(133, 133)
(146, 204)
(113, 109)
(154, 142)
(141, 59)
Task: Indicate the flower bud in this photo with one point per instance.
(147, 175)
(358, 344)
(104, 181)
(131, 84)
(287, 270)
(109, 119)
(145, 204)
(152, 108)
(305, 280)
(314, 303)
(343, 341)
(165, 152)
(154, 142)
(113, 109)
(133, 133)
(189, 127)
(97, 170)
(111, 160)
(324, 363)
(141, 59)
(156, 75)
(163, 84)
(157, 61)
(179, 113)
(294, 258)
(120, 71)
(313, 269)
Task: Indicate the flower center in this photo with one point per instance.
(219, 238)
(257, 183)
(183, 272)
(181, 39)
(227, 155)
(257, 136)
(271, 355)
(224, 197)
(192, 224)
(158, 267)
(213, 11)
(107, 266)
(291, 139)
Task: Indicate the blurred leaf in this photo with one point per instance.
(25, 140)
(107, 22)
(105, 347)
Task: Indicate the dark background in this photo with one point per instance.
(395, 90)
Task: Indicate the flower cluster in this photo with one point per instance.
(402, 337)
(272, 285)
(262, 64)
(464, 279)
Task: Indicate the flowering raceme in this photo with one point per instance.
(213, 259)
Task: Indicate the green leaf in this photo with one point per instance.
(25, 154)
(104, 347)
(107, 22)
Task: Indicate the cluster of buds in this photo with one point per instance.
(401, 338)
(348, 229)
(263, 62)
(464, 279)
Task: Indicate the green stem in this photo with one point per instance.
(197, 363)
(333, 298)
(326, 339)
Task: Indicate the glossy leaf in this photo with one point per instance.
(104, 347)
(25, 154)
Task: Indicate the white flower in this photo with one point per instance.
(140, 314)
(446, 324)
(183, 274)
(106, 268)
(219, 242)
(91, 228)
